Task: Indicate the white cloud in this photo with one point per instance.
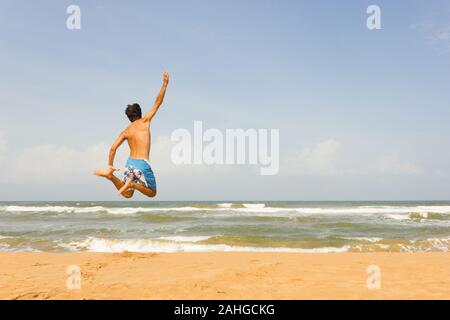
(57, 166)
(48, 163)
(393, 165)
(319, 160)
(322, 160)
(435, 31)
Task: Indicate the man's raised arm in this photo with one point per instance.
(159, 98)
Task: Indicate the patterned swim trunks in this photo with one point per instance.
(140, 171)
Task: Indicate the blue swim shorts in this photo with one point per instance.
(140, 171)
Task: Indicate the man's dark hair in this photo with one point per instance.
(133, 112)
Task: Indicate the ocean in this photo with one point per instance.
(282, 226)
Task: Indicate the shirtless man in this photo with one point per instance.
(138, 174)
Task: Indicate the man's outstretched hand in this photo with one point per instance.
(165, 77)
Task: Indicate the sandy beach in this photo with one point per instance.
(224, 275)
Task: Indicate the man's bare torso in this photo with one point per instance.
(138, 138)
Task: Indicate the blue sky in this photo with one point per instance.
(363, 114)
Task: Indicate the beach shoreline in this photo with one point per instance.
(224, 275)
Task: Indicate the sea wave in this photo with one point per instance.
(418, 216)
(186, 238)
(149, 245)
(94, 209)
(411, 246)
(247, 209)
(225, 205)
(254, 205)
(191, 244)
(55, 209)
(364, 239)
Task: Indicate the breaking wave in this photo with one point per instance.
(146, 245)
(392, 212)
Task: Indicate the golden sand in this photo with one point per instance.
(224, 276)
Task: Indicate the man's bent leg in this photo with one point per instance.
(149, 192)
(108, 174)
(119, 184)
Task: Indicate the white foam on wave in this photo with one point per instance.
(365, 239)
(148, 245)
(53, 209)
(407, 209)
(7, 248)
(225, 205)
(399, 217)
(441, 244)
(129, 210)
(377, 210)
(427, 245)
(398, 213)
(94, 209)
(247, 209)
(254, 205)
(415, 216)
(185, 238)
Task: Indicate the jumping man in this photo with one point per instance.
(138, 174)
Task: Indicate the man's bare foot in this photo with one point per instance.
(105, 173)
